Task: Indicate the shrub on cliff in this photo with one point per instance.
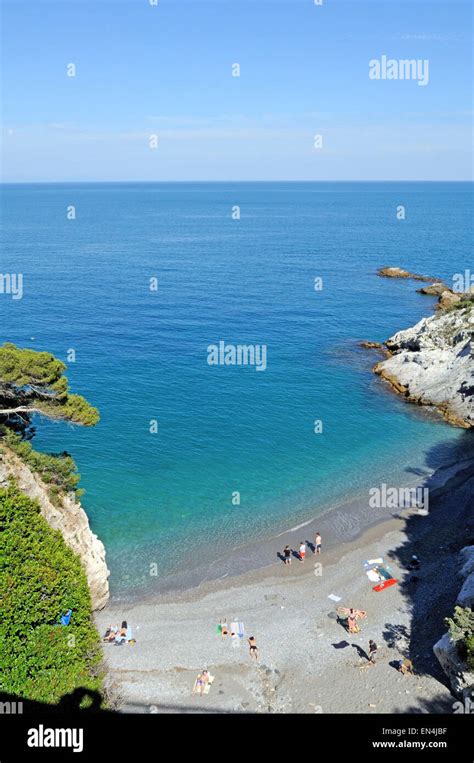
(40, 579)
(57, 471)
(461, 630)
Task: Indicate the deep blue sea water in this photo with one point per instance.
(142, 355)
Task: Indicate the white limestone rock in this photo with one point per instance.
(432, 363)
(460, 678)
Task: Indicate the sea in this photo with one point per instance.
(131, 284)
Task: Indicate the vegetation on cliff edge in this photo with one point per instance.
(461, 630)
(34, 382)
(57, 471)
(40, 579)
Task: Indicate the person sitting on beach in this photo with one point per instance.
(253, 651)
(352, 617)
(405, 666)
(287, 555)
(110, 633)
(224, 628)
(121, 636)
(352, 622)
(201, 682)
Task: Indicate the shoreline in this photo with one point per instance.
(340, 525)
(304, 650)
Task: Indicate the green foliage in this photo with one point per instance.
(39, 376)
(465, 303)
(40, 579)
(58, 472)
(461, 630)
(76, 408)
(22, 367)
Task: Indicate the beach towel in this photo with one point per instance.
(219, 629)
(384, 585)
(373, 576)
(207, 687)
(237, 627)
(333, 597)
(384, 573)
(372, 562)
(66, 619)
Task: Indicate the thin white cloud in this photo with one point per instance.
(429, 37)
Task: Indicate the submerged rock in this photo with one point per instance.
(395, 272)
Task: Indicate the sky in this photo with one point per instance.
(166, 70)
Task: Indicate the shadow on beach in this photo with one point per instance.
(430, 593)
(70, 704)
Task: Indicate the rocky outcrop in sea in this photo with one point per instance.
(432, 364)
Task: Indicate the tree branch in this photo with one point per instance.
(20, 409)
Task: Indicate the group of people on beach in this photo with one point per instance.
(236, 634)
(350, 620)
(118, 636)
(204, 679)
(348, 616)
(301, 554)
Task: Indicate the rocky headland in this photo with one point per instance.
(432, 363)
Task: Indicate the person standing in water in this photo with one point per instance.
(302, 551)
(317, 544)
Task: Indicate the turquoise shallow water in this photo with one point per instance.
(166, 498)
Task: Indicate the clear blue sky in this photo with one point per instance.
(166, 70)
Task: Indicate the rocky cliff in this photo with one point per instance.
(69, 518)
(460, 677)
(432, 364)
